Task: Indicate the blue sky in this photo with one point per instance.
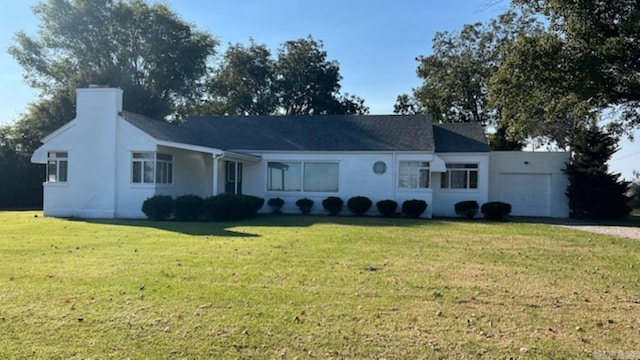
(375, 42)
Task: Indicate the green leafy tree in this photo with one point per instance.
(309, 84)
(147, 50)
(243, 84)
(456, 76)
(299, 81)
(155, 57)
(584, 67)
(407, 105)
(593, 192)
(20, 181)
(634, 190)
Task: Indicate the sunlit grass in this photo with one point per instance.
(313, 287)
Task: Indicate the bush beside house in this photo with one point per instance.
(187, 207)
(223, 207)
(158, 207)
(496, 210)
(467, 209)
(387, 208)
(414, 208)
(359, 205)
(305, 205)
(276, 205)
(332, 205)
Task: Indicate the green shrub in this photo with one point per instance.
(359, 205)
(187, 207)
(467, 209)
(258, 202)
(227, 207)
(496, 210)
(305, 205)
(387, 208)
(332, 205)
(414, 208)
(158, 207)
(275, 204)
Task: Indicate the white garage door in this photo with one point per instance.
(528, 194)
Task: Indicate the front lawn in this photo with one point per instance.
(314, 287)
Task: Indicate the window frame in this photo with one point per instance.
(303, 169)
(151, 168)
(446, 179)
(412, 177)
(57, 160)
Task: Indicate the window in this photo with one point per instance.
(150, 168)
(164, 169)
(413, 175)
(460, 176)
(302, 176)
(379, 167)
(57, 165)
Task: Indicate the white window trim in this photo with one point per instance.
(419, 170)
(155, 161)
(58, 160)
(302, 169)
(468, 171)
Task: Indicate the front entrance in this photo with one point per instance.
(233, 183)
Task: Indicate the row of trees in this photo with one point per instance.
(168, 68)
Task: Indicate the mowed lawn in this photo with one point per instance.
(314, 287)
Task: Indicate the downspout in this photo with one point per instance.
(216, 157)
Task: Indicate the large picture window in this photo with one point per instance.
(413, 175)
(460, 176)
(150, 168)
(57, 166)
(302, 176)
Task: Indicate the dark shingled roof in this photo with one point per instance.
(460, 137)
(313, 133)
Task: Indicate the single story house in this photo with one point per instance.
(106, 162)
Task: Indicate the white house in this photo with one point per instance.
(106, 162)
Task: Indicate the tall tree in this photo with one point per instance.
(456, 75)
(147, 50)
(309, 84)
(299, 81)
(407, 105)
(20, 181)
(593, 192)
(243, 84)
(584, 67)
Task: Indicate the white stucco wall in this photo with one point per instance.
(445, 199)
(100, 146)
(356, 178)
(91, 145)
(545, 164)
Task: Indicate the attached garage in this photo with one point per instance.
(528, 194)
(532, 182)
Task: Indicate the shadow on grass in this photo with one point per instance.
(226, 229)
(221, 229)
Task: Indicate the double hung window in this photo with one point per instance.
(150, 167)
(413, 175)
(460, 176)
(57, 166)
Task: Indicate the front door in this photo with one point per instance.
(233, 183)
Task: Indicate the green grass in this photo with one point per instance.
(314, 287)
